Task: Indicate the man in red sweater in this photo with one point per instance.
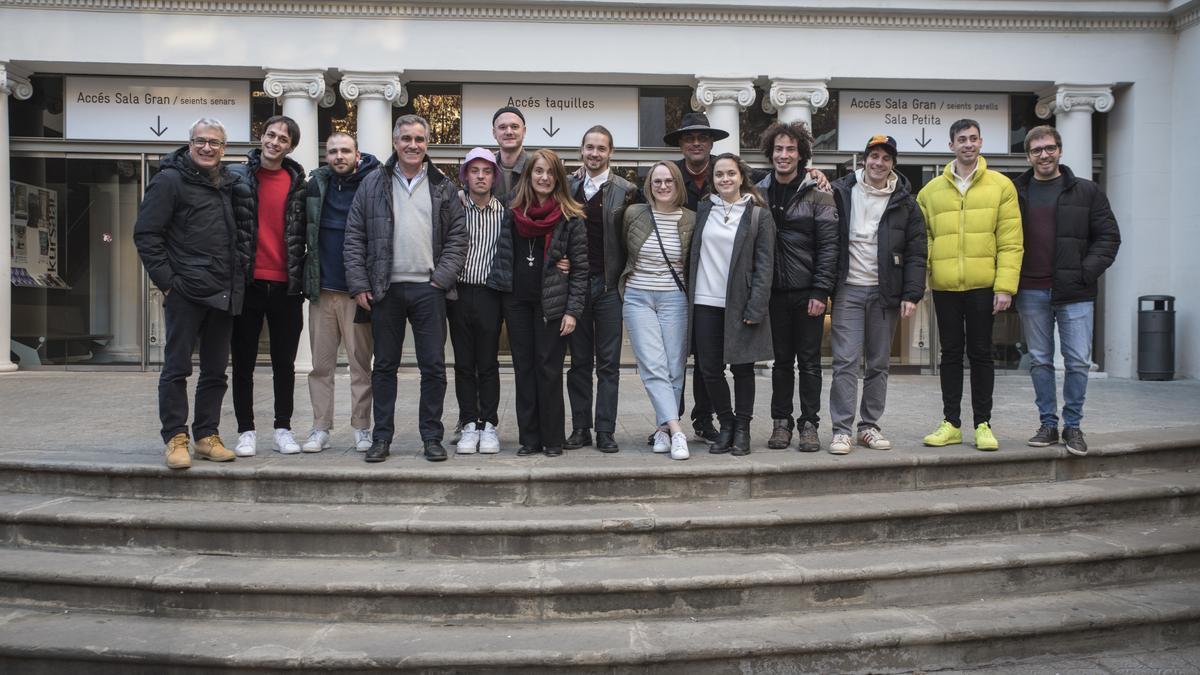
(268, 201)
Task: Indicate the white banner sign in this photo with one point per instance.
(920, 121)
(154, 109)
(555, 116)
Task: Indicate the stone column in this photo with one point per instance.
(10, 83)
(299, 92)
(1072, 106)
(722, 99)
(375, 94)
(795, 100)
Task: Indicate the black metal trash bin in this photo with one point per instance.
(1156, 338)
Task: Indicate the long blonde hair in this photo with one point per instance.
(525, 196)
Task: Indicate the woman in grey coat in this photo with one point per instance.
(730, 271)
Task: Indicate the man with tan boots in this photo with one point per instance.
(187, 237)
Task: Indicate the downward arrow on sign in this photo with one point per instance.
(158, 128)
(923, 141)
(551, 131)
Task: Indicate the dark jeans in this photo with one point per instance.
(797, 341)
(284, 316)
(187, 322)
(423, 306)
(708, 327)
(475, 334)
(537, 355)
(596, 342)
(964, 318)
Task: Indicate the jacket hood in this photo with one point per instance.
(902, 191)
(805, 185)
(1022, 182)
(366, 164)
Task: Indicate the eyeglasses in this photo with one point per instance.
(1044, 150)
(210, 142)
(660, 182)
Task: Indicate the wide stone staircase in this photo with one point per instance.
(915, 559)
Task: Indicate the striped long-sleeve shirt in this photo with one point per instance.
(483, 225)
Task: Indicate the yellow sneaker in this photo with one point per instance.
(213, 449)
(177, 452)
(984, 438)
(945, 434)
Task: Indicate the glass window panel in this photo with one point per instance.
(660, 110)
(753, 123)
(1022, 119)
(41, 115)
(441, 105)
(825, 121)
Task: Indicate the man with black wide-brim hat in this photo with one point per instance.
(695, 139)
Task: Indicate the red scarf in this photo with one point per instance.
(538, 221)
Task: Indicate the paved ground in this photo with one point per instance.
(1167, 662)
(115, 414)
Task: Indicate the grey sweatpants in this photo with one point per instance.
(861, 331)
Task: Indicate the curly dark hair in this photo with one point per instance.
(797, 131)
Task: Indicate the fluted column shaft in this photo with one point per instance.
(374, 95)
(15, 85)
(1072, 106)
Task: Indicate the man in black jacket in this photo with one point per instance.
(881, 278)
(804, 273)
(406, 242)
(186, 236)
(596, 340)
(1071, 237)
(268, 201)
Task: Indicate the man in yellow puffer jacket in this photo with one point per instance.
(975, 251)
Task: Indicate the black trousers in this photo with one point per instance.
(423, 307)
(475, 333)
(797, 342)
(596, 342)
(965, 319)
(188, 322)
(284, 315)
(708, 327)
(537, 354)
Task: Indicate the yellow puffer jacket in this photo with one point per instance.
(975, 240)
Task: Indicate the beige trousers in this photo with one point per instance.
(330, 324)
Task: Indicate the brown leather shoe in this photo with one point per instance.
(177, 452)
(781, 435)
(213, 449)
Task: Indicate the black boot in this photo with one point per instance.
(579, 438)
(724, 442)
(781, 434)
(741, 439)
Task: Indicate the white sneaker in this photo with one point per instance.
(247, 444)
(468, 442)
(679, 446)
(285, 442)
(362, 440)
(873, 439)
(662, 442)
(840, 444)
(489, 440)
(317, 441)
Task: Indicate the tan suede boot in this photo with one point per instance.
(213, 449)
(177, 452)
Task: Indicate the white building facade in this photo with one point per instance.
(1119, 78)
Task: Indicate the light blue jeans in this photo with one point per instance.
(657, 324)
(1074, 320)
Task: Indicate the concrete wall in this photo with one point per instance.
(1184, 250)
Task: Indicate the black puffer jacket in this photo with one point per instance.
(561, 293)
(1086, 239)
(901, 241)
(186, 234)
(806, 240)
(245, 208)
(371, 225)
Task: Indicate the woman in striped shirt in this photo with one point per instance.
(655, 306)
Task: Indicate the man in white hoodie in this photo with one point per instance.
(881, 277)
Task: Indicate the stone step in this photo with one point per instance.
(767, 524)
(666, 585)
(993, 631)
(585, 476)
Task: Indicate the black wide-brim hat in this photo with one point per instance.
(694, 121)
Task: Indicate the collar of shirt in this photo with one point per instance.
(593, 183)
(411, 184)
(963, 182)
(492, 204)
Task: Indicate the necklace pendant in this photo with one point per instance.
(529, 259)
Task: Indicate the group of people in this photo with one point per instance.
(704, 259)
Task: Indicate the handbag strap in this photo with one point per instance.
(663, 249)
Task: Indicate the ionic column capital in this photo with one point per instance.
(13, 84)
(712, 91)
(785, 91)
(280, 84)
(372, 85)
(1074, 97)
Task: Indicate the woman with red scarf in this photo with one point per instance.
(541, 301)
